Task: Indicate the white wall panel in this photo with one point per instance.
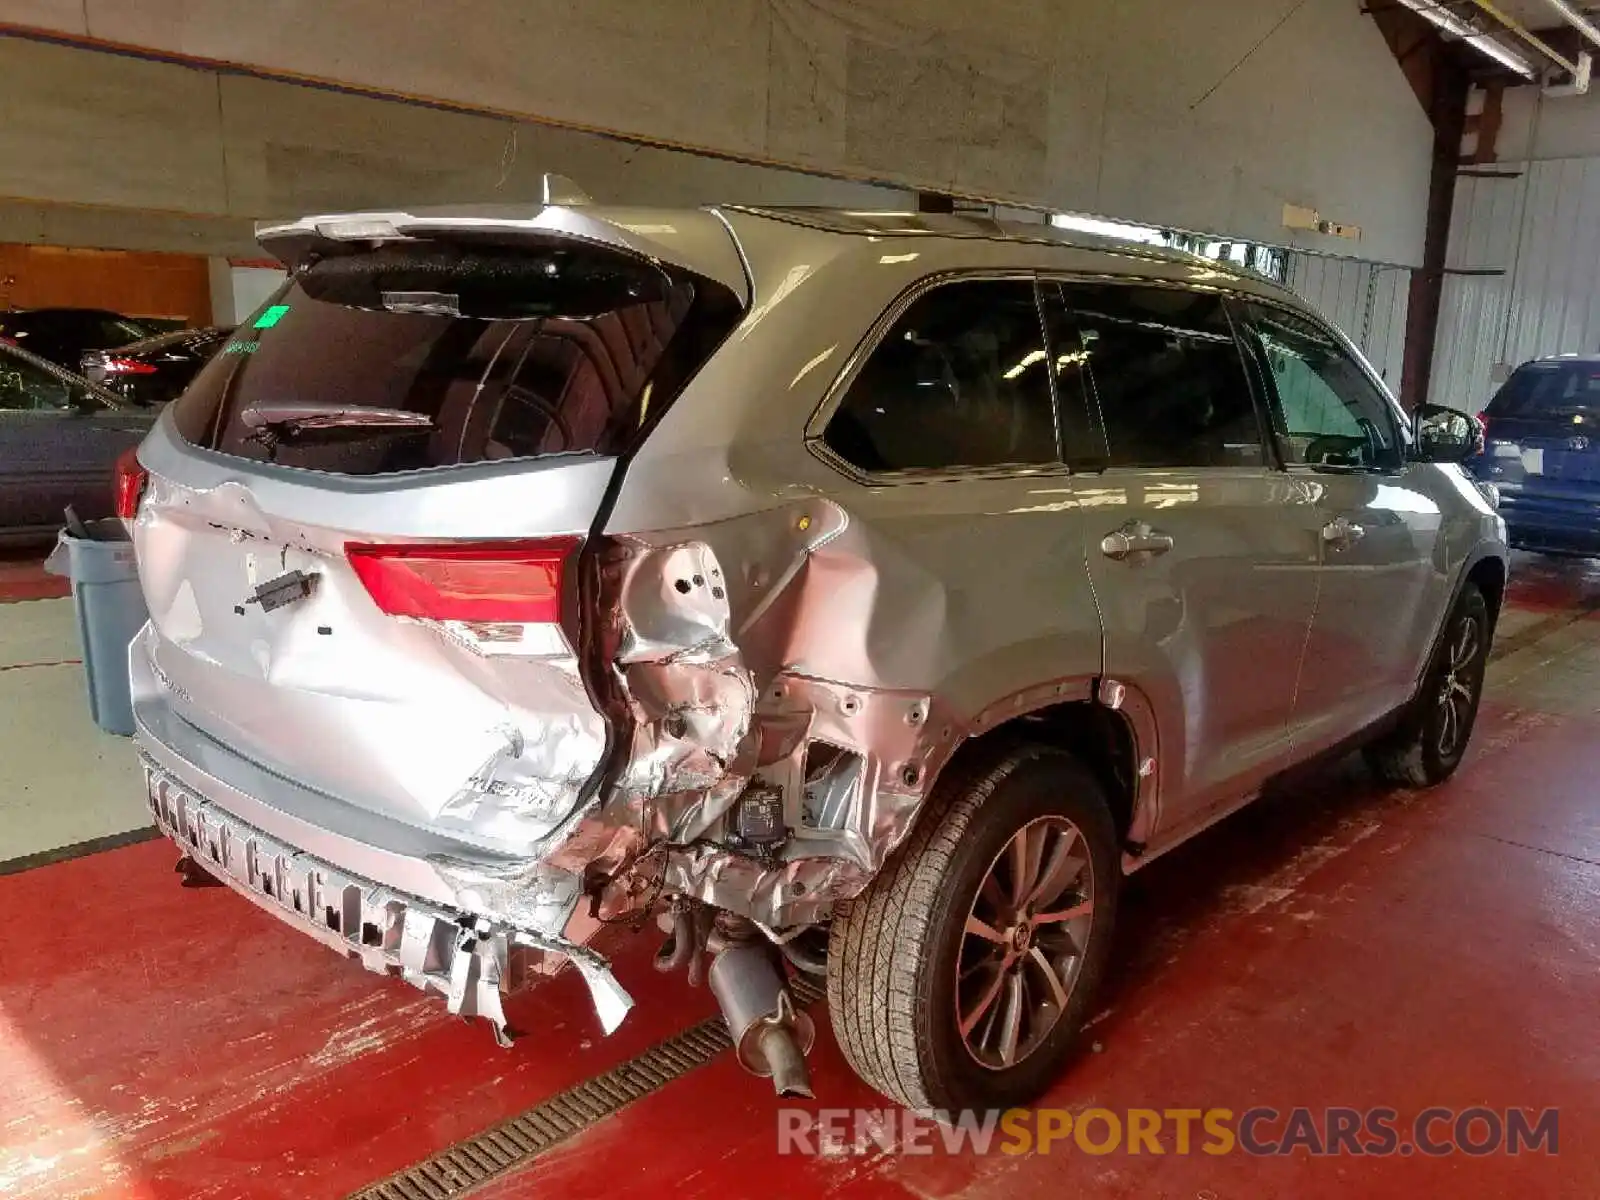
(1366, 300)
(1534, 241)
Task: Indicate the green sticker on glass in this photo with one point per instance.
(272, 316)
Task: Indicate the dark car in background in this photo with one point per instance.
(62, 335)
(157, 369)
(1542, 452)
(60, 438)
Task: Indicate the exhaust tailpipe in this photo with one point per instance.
(771, 1035)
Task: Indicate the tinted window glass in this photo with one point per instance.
(1166, 373)
(1325, 411)
(117, 331)
(959, 381)
(1557, 390)
(435, 354)
(26, 386)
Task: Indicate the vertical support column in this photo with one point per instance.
(1448, 111)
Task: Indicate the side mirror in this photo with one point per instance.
(1445, 435)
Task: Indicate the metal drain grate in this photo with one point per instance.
(517, 1142)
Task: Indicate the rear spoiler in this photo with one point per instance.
(695, 240)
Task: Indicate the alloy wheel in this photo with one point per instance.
(1024, 943)
(1458, 691)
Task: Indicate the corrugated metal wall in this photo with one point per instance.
(1538, 234)
(1366, 300)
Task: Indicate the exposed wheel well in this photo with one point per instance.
(1490, 576)
(1097, 736)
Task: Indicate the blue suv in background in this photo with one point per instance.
(1542, 451)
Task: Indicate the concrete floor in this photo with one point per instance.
(1338, 945)
(63, 780)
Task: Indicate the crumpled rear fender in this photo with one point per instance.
(752, 656)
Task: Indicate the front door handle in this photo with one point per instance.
(1134, 538)
(1341, 533)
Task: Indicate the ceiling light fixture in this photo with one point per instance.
(1444, 19)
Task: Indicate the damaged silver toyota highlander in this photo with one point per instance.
(855, 595)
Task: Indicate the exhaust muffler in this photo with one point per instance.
(771, 1035)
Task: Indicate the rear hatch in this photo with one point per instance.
(1542, 430)
(360, 537)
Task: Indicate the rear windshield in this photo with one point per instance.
(432, 353)
(1549, 390)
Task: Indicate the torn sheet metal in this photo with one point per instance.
(708, 641)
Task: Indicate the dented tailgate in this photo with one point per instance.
(460, 728)
(361, 538)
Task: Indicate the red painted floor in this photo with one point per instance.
(1543, 583)
(1335, 946)
(22, 577)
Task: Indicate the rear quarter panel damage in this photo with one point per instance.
(763, 680)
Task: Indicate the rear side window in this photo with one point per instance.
(960, 381)
(431, 353)
(1164, 370)
(1555, 390)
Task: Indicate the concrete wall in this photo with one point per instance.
(1145, 109)
(123, 229)
(111, 150)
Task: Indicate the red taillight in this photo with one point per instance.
(130, 479)
(472, 581)
(126, 366)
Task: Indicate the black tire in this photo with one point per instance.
(1429, 744)
(893, 951)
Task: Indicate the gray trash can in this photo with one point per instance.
(110, 607)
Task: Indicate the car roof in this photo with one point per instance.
(1560, 359)
(173, 337)
(696, 238)
(887, 224)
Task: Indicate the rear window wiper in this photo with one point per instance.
(274, 418)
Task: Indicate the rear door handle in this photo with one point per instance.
(1134, 538)
(1341, 533)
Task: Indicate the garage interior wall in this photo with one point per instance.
(1524, 249)
(106, 149)
(1200, 116)
(134, 283)
(1366, 300)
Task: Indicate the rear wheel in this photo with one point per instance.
(961, 977)
(1430, 743)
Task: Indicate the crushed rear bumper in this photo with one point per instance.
(467, 960)
(452, 920)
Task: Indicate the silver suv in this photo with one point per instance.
(860, 595)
